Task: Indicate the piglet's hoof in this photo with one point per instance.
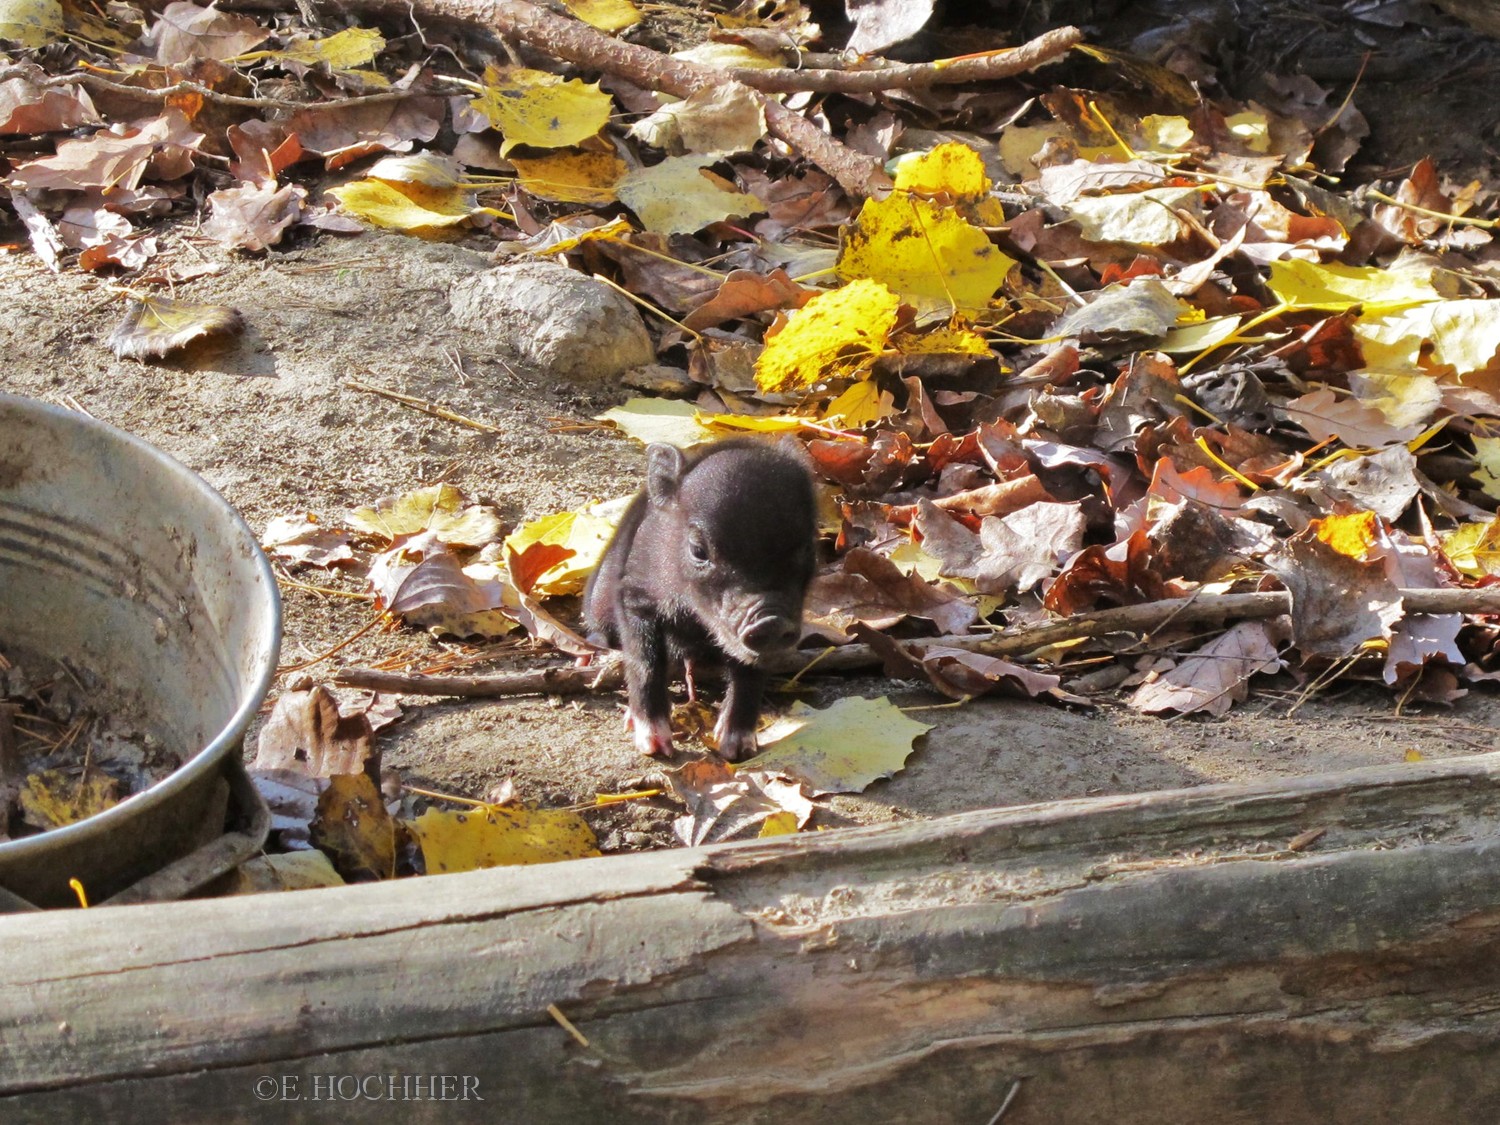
(653, 737)
(734, 745)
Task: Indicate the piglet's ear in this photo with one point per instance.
(665, 465)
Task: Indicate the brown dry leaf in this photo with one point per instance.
(1384, 483)
(253, 216)
(1420, 639)
(1338, 603)
(961, 674)
(115, 159)
(45, 239)
(343, 134)
(307, 731)
(727, 804)
(879, 24)
(1325, 415)
(354, 829)
(1198, 485)
(1015, 552)
(1214, 677)
(302, 539)
(155, 326)
(424, 583)
(185, 31)
(262, 150)
(869, 588)
(27, 108)
(1124, 573)
(746, 292)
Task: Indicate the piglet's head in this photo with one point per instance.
(741, 536)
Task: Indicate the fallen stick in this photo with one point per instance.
(1198, 609)
(572, 41)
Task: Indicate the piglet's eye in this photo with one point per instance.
(698, 548)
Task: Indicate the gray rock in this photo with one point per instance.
(554, 319)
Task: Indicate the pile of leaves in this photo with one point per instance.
(1102, 343)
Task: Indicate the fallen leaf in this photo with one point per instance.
(354, 829)
(568, 176)
(838, 334)
(117, 158)
(27, 107)
(31, 23)
(1213, 677)
(500, 837)
(155, 326)
(292, 871)
(926, 253)
(306, 731)
(52, 798)
(665, 420)
(408, 207)
(842, 748)
(253, 216)
(727, 804)
(440, 509)
(871, 589)
(302, 539)
(534, 107)
(1338, 603)
(606, 15)
(716, 120)
(184, 31)
(581, 535)
(679, 195)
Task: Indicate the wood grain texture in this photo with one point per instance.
(1156, 958)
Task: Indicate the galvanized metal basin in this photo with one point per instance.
(120, 561)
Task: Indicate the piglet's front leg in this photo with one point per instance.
(650, 713)
(735, 730)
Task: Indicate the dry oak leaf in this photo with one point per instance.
(724, 803)
(184, 32)
(869, 588)
(253, 216)
(1338, 603)
(117, 158)
(27, 108)
(1214, 677)
(306, 731)
(155, 326)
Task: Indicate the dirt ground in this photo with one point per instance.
(269, 420)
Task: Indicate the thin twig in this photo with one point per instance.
(424, 406)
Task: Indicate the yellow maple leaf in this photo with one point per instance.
(344, 50)
(843, 748)
(606, 15)
(533, 107)
(1308, 285)
(572, 176)
(951, 168)
(1353, 534)
(680, 195)
(410, 207)
(440, 508)
(927, 253)
(583, 533)
(862, 404)
(499, 837)
(836, 334)
(1474, 548)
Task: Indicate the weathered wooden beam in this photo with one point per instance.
(1165, 958)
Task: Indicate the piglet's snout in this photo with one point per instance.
(768, 630)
